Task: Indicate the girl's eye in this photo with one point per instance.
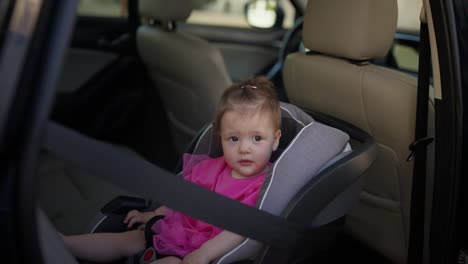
(257, 138)
(233, 139)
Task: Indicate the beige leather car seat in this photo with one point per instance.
(336, 78)
(188, 72)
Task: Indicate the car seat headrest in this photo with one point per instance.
(292, 121)
(352, 29)
(165, 10)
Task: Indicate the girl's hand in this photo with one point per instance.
(196, 257)
(137, 217)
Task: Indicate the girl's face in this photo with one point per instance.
(248, 140)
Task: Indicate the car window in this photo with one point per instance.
(406, 57)
(231, 13)
(408, 15)
(404, 50)
(103, 8)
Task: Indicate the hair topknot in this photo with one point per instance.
(258, 92)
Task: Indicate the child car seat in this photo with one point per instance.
(314, 181)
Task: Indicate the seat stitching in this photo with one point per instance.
(363, 105)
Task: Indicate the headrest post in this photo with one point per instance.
(165, 25)
(422, 15)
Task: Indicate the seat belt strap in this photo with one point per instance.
(137, 175)
(418, 150)
(133, 19)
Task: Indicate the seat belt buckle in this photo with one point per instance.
(418, 143)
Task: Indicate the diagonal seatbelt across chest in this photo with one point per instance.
(148, 180)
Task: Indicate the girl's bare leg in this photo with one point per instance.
(106, 247)
(167, 260)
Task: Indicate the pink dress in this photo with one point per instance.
(178, 234)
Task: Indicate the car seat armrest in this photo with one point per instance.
(121, 205)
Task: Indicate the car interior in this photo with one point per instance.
(189, 72)
(323, 184)
(337, 67)
(150, 90)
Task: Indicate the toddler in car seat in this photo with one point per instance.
(248, 122)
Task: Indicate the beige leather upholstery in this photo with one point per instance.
(188, 72)
(379, 100)
(165, 10)
(337, 34)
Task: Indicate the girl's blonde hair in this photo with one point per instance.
(256, 94)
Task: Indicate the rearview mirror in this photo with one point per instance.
(264, 13)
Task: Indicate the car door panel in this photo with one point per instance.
(102, 33)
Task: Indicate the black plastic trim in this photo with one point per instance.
(449, 125)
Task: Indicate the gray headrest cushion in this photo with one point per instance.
(165, 10)
(352, 29)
